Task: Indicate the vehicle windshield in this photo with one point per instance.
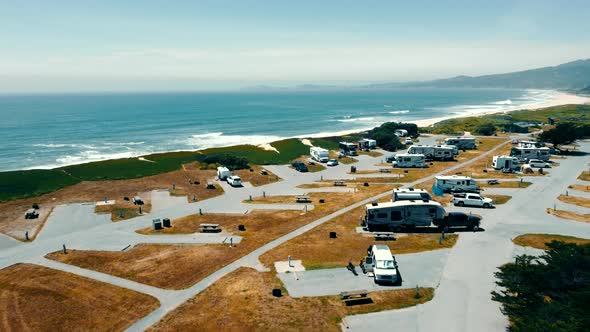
(380, 264)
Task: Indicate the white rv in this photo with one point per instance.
(381, 262)
(347, 149)
(223, 173)
(430, 152)
(426, 150)
(403, 160)
(367, 143)
(506, 162)
(409, 194)
(452, 147)
(455, 183)
(400, 133)
(405, 213)
(319, 154)
(467, 143)
(525, 154)
(443, 152)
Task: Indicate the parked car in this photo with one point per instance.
(300, 166)
(332, 162)
(234, 181)
(462, 199)
(538, 163)
(460, 219)
(408, 141)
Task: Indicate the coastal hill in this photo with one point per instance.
(573, 75)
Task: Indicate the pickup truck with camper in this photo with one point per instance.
(471, 199)
(382, 264)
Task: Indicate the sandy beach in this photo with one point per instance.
(559, 98)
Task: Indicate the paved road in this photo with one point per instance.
(462, 301)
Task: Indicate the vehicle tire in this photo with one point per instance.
(460, 203)
(486, 206)
(471, 227)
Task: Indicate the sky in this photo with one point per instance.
(210, 45)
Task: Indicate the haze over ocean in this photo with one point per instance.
(46, 131)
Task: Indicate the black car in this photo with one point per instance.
(300, 166)
(458, 219)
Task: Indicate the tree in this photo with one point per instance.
(486, 129)
(565, 133)
(547, 293)
(385, 134)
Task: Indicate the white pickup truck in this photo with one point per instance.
(463, 199)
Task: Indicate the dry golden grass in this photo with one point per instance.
(569, 215)
(128, 210)
(321, 185)
(242, 301)
(585, 176)
(343, 160)
(36, 298)
(176, 267)
(539, 241)
(12, 222)
(255, 178)
(317, 250)
(273, 200)
(499, 199)
(505, 184)
(576, 200)
(580, 187)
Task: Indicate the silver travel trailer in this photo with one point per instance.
(347, 149)
(438, 152)
(405, 160)
(319, 154)
(463, 143)
(455, 183)
(399, 214)
(408, 194)
(524, 154)
(506, 162)
(426, 150)
(367, 143)
(452, 147)
(442, 152)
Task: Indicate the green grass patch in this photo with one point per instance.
(31, 183)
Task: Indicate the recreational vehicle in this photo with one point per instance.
(400, 133)
(430, 152)
(443, 152)
(426, 150)
(405, 213)
(455, 183)
(367, 143)
(403, 160)
(319, 154)
(506, 162)
(452, 147)
(463, 143)
(223, 173)
(381, 262)
(347, 149)
(525, 154)
(408, 194)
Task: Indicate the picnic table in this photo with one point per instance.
(212, 228)
(384, 170)
(340, 183)
(302, 199)
(493, 181)
(354, 295)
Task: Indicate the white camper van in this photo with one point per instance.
(403, 160)
(506, 162)
(409, 194)
(455, 183)
(223, 173)
(319, 154)
(381, 262)
(395, 215)
(467, 143)
(525, 154)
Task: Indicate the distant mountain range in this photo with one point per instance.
(573, 76)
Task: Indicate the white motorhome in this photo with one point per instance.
(347, 149)
(381, 262)
(234, 181)
(525, 154)
(455, 183)
(443, 152)
(319, 154)
(403, 160)
(452, 147)
(400, 133)
(367, 143)
(505, 162)
(426, 150)
(405, 213)
(409, 194)
(466, 143)
(223, 172)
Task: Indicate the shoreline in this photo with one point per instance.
(558, 99)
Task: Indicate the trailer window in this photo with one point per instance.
(381, 215)
(396, 215)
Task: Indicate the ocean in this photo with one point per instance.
(47, 131)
